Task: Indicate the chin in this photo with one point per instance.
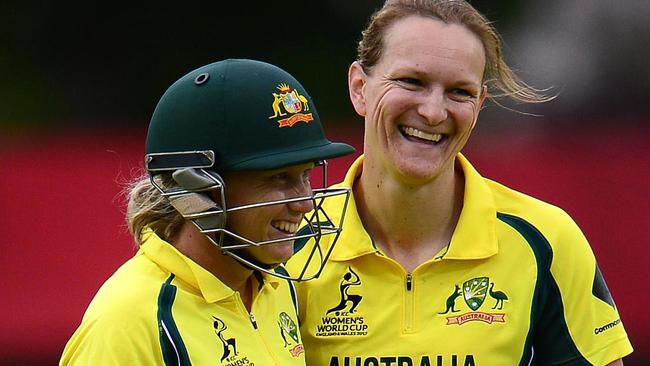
(274, 253)
(283, 252)
(419, 171)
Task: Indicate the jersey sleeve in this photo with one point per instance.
(578, 322)
(101, 341)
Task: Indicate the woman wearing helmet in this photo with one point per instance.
(229, 153)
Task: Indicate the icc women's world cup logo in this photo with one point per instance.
(229, 344)
(343, 318)
(350, 279)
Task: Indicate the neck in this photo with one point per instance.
(410, 223)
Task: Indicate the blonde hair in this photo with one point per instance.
(147, 208)
(497, 75)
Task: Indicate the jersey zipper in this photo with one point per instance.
(270, 352)
(408, 304)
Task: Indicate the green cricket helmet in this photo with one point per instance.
(251, 114)
(235, 115)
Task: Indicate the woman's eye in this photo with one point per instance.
(463, 93)
(410, 81)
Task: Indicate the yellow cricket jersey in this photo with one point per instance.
(518, 285)
(161, 308)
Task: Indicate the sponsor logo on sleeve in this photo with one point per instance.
(607, 326)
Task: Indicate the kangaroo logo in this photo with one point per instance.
(451, 301)
(346, 298)
(228, 344)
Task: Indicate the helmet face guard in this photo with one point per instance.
(191, 199)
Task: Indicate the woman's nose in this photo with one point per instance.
(306, 205)
(433, 108)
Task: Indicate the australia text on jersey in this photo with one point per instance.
(438, 360)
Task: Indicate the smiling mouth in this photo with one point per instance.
(421, 136)
(285, 226)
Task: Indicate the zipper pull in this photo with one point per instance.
(408, 282)
(253, 320)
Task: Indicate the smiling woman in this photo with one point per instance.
(215, 218)
(442, 256)
(418, 92)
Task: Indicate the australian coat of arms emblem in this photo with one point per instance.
(475, 291)
(289, 328)
(290, 104)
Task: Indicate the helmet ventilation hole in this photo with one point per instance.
(201, 78)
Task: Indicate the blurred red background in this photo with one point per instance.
(63, 231)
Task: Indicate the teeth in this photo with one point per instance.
(433, 137)
(286, 226)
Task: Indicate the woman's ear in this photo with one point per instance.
(356, 82)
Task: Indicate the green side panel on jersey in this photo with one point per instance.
(281, 270)
(171, 343)
(548, 340)
(600, 290)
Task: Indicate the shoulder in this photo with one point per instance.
(576, 301)
(120, 324)
(129, 296)
(484, 196)
(550, 220)
(549, 229)
(560, 247)
(508, 200)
